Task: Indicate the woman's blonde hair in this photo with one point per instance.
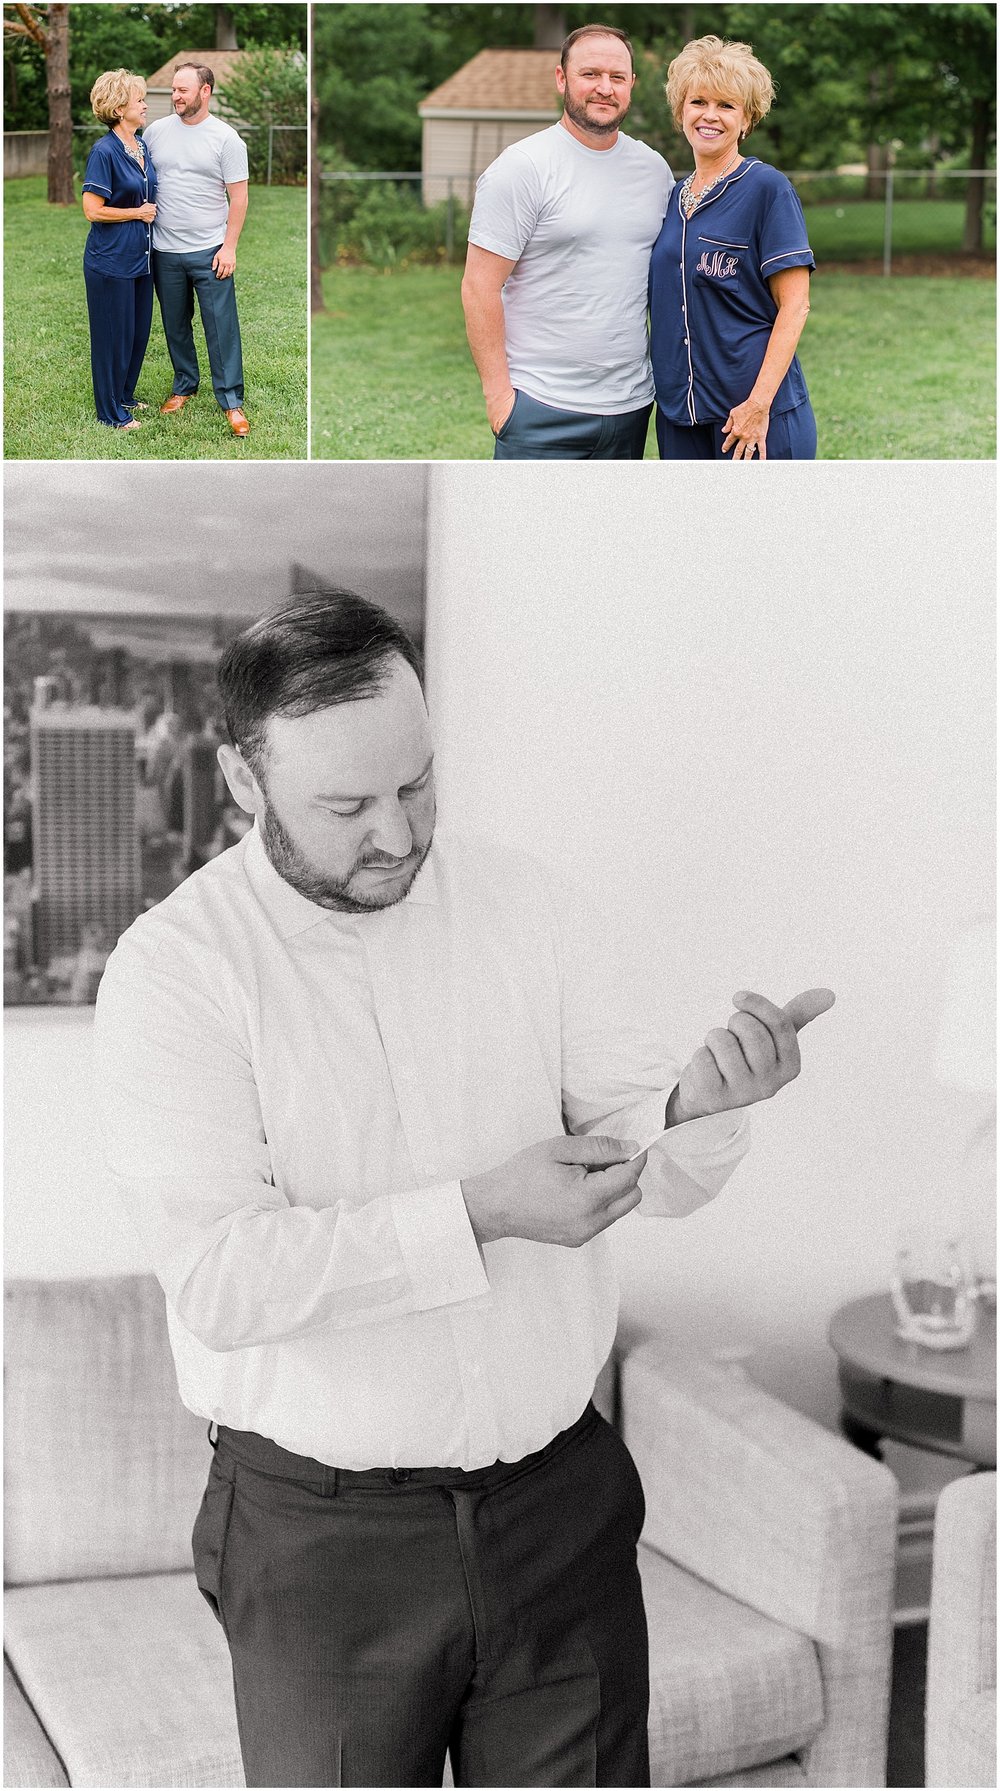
(730, 70)
(111, 93)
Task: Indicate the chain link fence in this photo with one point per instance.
(378, 218)
(277, 153)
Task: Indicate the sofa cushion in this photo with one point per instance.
(130, 1678)
(777, 1772)
(728, 1688)
(28, 1758)
(972, 1740)
(103, 1467)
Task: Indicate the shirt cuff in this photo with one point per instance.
(438, 1245)
(692, 1163)
(703, 1137)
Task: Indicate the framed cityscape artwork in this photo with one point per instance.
(112, 789)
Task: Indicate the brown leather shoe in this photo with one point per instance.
(237, 422)
(176, 401)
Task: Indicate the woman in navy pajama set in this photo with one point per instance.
(119, 201)
(728, 277)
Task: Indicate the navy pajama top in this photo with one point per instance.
(121, 250)
(710, 308)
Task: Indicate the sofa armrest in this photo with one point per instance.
(772, 1509)
(756, 1498)
(28, 1756)
(962, 1638)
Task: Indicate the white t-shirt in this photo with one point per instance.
(194, 164)
(580, 223)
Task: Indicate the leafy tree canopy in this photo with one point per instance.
(132, 35)
(848, 75)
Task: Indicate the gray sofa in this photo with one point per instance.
(962, 1639)
(767, 1562)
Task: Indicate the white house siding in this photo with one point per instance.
(461, 147)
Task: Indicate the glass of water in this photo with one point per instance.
(932, 1288)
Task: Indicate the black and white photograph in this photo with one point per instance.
(500, 1140)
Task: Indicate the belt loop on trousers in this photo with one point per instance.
(213, 1440)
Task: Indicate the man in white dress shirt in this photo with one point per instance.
(374, 1096)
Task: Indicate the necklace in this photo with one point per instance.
(689, 198)
(135, 150)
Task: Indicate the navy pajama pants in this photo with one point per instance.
(378, 1620)
(120, 312)
(790, 436)
(178, 278)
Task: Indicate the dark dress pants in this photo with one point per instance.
(536, 431)
(376, 1620)
(120, 313)
(178, 278)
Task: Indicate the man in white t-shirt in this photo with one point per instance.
(203, 184)
(555, 282)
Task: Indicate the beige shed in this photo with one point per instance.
(495, 100)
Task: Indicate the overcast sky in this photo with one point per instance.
(210, 538)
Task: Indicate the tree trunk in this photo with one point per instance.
(60, 165)
(972, 234)
(316, 189)
(878, 155)
(875, 178)
(934, 149)
(550, 27)
(225, 29)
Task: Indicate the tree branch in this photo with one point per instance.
(30, 26)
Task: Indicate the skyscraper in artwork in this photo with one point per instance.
(85, 845)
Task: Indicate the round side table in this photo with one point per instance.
(944, 1400)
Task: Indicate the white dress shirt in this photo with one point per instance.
(290, 1097)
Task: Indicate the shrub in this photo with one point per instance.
(383, 225)
(270, 87)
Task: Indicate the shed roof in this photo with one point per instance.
(221, 63)
(500, 81)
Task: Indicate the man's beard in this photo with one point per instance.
(189, 110)
(326, 891)
(598, 127)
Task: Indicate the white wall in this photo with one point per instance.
(60, 1216)
(753, 710)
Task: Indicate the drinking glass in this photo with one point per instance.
(932, 1288)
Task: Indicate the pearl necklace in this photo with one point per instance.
(690, 199)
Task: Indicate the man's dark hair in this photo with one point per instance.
(318, 649)
(206, 78)
(595, 31)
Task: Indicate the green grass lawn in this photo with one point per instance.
(48, 397)
(854, 232)
(900, 369)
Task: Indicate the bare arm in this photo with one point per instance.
(485, 274)
(97, 211)
(746, 425)
(224, 263)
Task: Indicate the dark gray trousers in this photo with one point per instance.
(536, 431)
(377, 1620)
